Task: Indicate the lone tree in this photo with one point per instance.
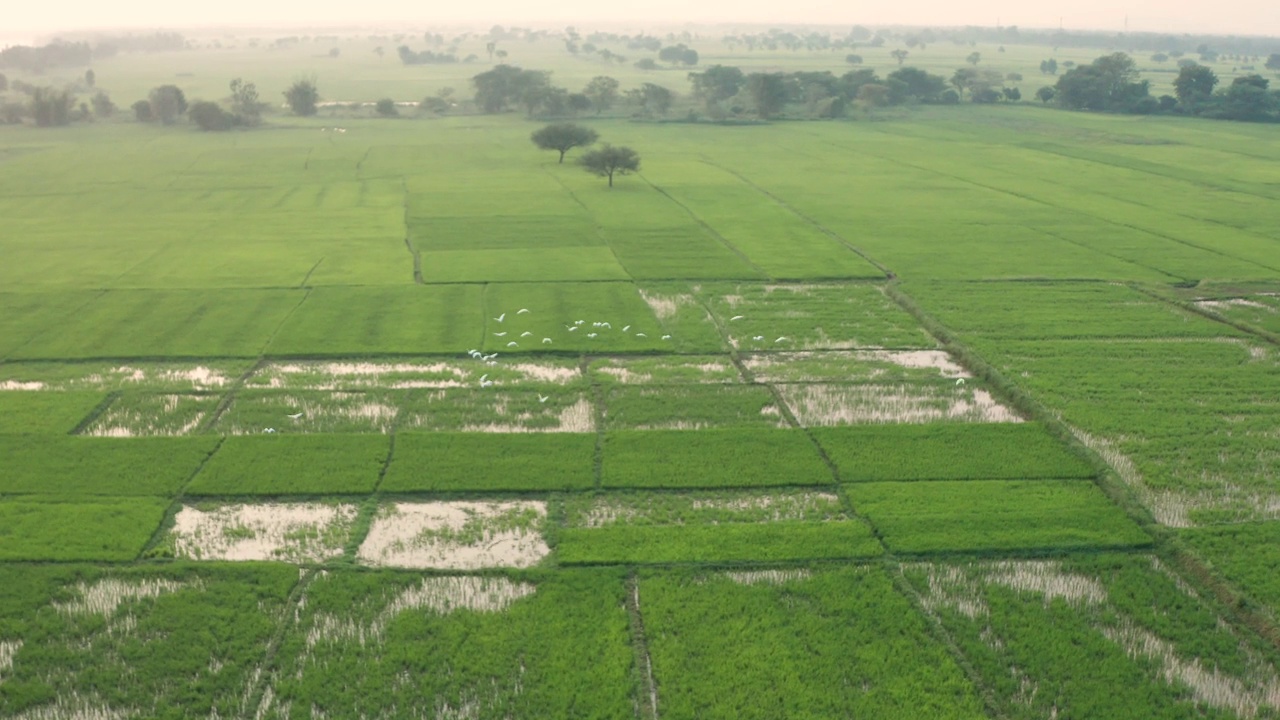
(900, 55)
(167, 103)
(209, 117)
(610, 160)
(302, 97)
(563, 137)
(386, 107)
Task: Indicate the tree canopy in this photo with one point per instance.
(609, 160)
(563, 137)
(1110, 83)
(302, 97)
(167, 103)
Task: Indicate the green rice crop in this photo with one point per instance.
(44, 411)
(741, 543)
(36, 528)
(739, 457)
(563, 264)
(293, 465)
(482, 462)
(172, 323)
(112, 640)
(1058, 310)
(1247, 554)
(796, 643)
(664, 370)
(408, 319)
(690, 407)
(949, 451)
(547, 647)
(1068, 634)
(254, 412)
(72, 467)
(701, 507)
(810, 316)
(683, 317)
(25, 316)
(994, 515)
(555, 308)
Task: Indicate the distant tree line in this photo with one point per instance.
(1111, 84)
(426, 57)
(53, 55)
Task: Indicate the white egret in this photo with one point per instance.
(501, 334)
(484, 377)
(543, 398)
(501, 317)
(606, 325)
(626, 328)
(737, 317)
(526, 333)
(546, 340)
(591, 335)
(513, 343)
(666, 337)
(783, 338)
(522, 311)
(757, 338)
(641, 335)
(486, 383)
(269, 430)
(294, 416)
(578, 322)
(573, 329)
(959, 381)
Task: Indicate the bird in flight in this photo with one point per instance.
(546, 340)
(522, 311)
(501, 334)
(513, 343)
(501, 317)
(737, 317)
(543, 398)
(295, 416)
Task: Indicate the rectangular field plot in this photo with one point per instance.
(402, 320)
(771, 644)
(412, 374)
(282, 532)
(824, 405)
(882, 366)
(24, 316)
(44, 411)
(664, 370)
(457, 535)
(949, 451)
(484, 647)
(812, 317)
(254, 412)
(739, 457)
(522, 409)
(105, 530)
(80, 466)
(502, 232)
(108, 643)
(521, 265)
(1049, 637)
(152, 414)
(482, 462)
(174, 323)
(690, 407)
(994, 516)
(103, 377)
(572, 317)
(293, 465)
(1062, 310)
(1260, 310)
(683, 316)
(1247, 554)
(710, 527)
(677, 253)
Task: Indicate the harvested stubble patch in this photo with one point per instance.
(457, 535)
(458, 647)
(108, 529)
(294, 465)
(146, 414)
(820, 643)
(23, 412)
(737, 457)
(81, 466)
(882, 366)
(1050, 635)
(500, 411)
(491, 462)
(254, 412)
(994, 515)
(665, 370)
(111, 641)
(691, 407)
(437, 374)
(292, 532)
(711, 527)
(949, 451)
(150, 377)
(813, 317)
(821, 405)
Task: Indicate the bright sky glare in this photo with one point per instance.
(1250, 17)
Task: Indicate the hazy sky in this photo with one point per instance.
(1253, 17)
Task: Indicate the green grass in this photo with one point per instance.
(1247, 554)
(554, 308)
(521, 265)
(994, 515)
(76, 467)
(749, 543)
(101, 530)
(830, 643)
(491, 462)
(739, 457)
(293, 465)
(388, 320)
(29, 412)
(949, 451)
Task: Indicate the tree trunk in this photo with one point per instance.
(562, 157)
(610, 178)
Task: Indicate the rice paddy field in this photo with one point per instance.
(949, 412)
